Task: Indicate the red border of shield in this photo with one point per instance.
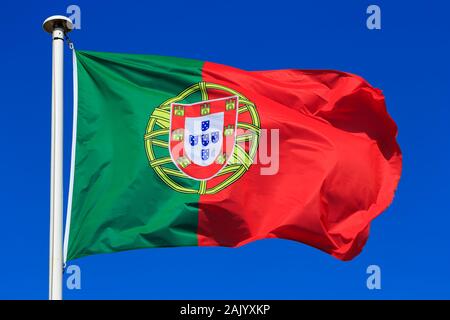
(178, 112)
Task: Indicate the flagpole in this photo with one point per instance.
(57, 26)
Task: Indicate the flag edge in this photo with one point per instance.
(72, 160)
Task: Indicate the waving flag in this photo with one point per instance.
(178, 152)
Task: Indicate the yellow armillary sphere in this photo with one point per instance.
(156, 141)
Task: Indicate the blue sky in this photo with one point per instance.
(407, 59)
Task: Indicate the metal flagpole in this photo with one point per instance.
(57, 26)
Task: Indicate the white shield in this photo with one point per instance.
(203, 138)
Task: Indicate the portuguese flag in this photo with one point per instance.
(177, 152)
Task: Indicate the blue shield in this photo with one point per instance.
(193, 140)
(205, 154)
(205, 125)
(215, 136)
(205, 139)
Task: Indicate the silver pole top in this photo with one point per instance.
(53, 22)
